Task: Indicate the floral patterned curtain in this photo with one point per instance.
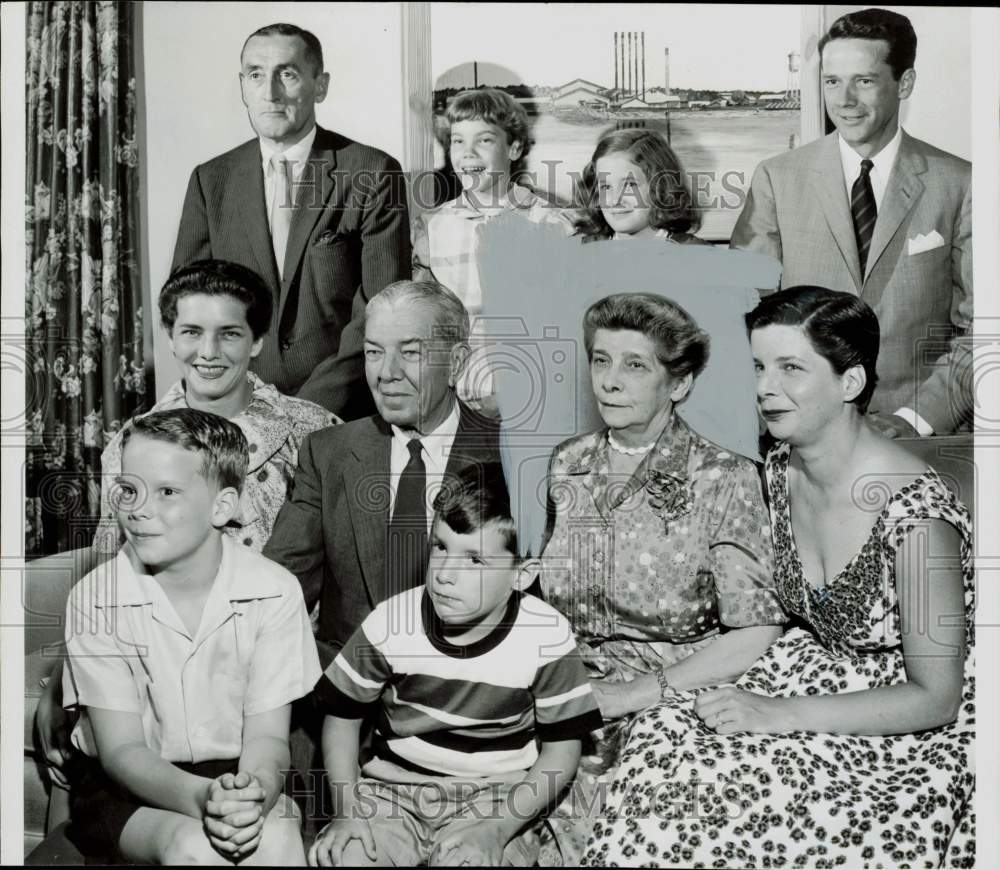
(83, 298)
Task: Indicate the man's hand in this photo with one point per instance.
(478, 845)
(328, 848)
(54, 726)
(892, 426)
(234, 814)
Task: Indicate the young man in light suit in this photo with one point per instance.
(872, 211)
(320, 218)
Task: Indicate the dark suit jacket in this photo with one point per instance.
(349, 238)
(918, 278)
(332, 532)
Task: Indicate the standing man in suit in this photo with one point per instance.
(355, 528)
(321, 218)
(872, 211)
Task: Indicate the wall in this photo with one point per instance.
(940, 109)
(194, 112)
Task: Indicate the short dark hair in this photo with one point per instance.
(892, 27)
(475, 497)
(314, 50)
(223, 445)
(218, 278)
(680, 345)
(841, 328)
(669, 200)
(494, 107)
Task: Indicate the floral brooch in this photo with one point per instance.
(668, 497)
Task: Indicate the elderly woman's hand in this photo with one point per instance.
(727, 710)
(617, 699)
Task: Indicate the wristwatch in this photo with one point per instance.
(665, 688)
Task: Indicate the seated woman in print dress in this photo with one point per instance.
(850, 742)
(660, 552)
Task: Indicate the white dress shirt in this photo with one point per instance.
(297, 155)
(435, 450)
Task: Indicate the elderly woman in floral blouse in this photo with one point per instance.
(659, 551)
(216, 314)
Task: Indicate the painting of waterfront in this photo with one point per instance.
(725, 98)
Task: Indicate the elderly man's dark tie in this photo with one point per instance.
(864, 212)
(408, 527)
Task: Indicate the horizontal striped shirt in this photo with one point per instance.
(469, 710)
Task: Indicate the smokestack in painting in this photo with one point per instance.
(630, 61)
(644, 66)
(615, 56)
(637, 63)
(666, 71)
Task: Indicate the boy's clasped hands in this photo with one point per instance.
(234, 814)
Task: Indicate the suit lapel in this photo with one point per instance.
(901, 194)
(250, 209)
(828, 183)
(473, 444)
(366, 476)
(312, 193)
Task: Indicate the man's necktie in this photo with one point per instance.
(282, 207)
(407, 560)
(864, 212)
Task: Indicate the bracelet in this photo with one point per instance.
(666, 690)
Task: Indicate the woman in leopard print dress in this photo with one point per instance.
(850, 742)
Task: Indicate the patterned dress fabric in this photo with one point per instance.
(685, 796)
(274, 425)
(647, 569)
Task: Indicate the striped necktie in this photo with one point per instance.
(864, 212)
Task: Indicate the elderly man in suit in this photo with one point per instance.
(321, 218)
(355, 529)
(872, 211)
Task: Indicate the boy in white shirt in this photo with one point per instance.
(185, 654)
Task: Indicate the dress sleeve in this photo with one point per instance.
(740, 552)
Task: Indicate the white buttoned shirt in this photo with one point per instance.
(130, 652)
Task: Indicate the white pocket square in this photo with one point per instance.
(920, 243)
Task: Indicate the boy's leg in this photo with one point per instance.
(479, 800)
(281, 840)
(402, 838)
(163, 837)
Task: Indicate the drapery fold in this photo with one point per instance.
(83, 297)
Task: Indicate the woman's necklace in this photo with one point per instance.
(628, 451)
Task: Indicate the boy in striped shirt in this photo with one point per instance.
(463, 675)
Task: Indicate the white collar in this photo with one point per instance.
(134, 586)
(882, 162)
(445, 431)
(296, 154)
